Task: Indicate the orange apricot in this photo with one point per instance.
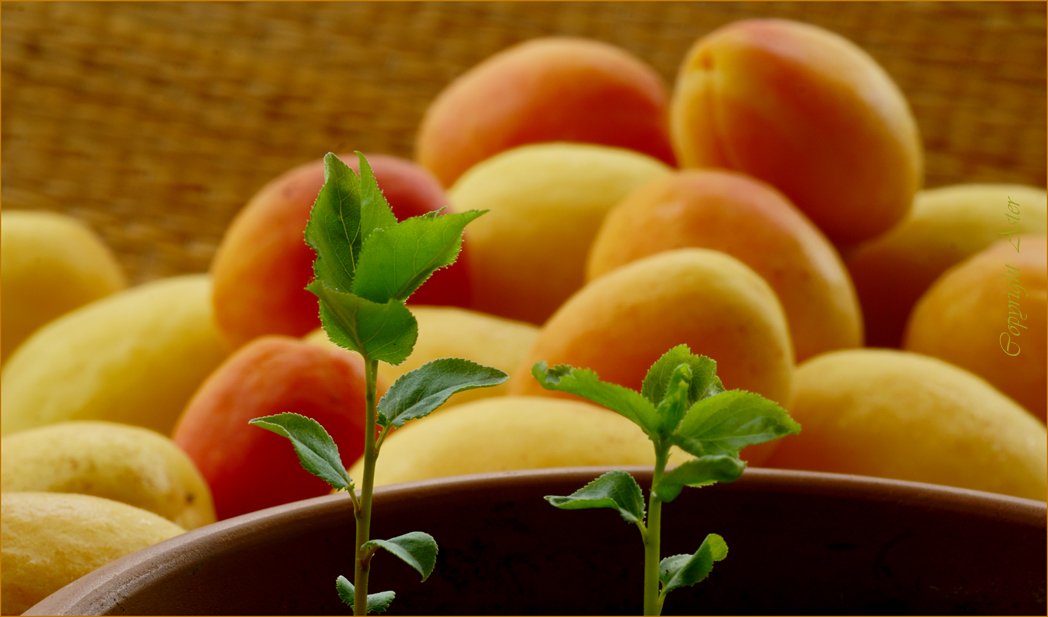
(546, 89)
(249, 468)
(743, 217)
(808, 112)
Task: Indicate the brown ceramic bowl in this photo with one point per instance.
(800, 543)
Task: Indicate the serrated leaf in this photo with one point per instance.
(385, 332)
(375, 211)
(316, 450)
(701, 471)
(616, 490)
(585, 383)
(730, 421)
(334, 229)
(686, 570)
(675, 401)
(397, 260)
(417, 393)
(704, 380)
(417, 549)
(377, 602)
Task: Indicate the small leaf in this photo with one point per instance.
(377, 602)
(675, 402)
(585, 383)
(731, 420)
(346, 591)
(417, 549)
(375, 211)
(385, 332)
(333, 229)
(704, 380)
(315, 448)
(616, 490)
(418, 392)
(686, 570)
(397, 260)
(701, 471)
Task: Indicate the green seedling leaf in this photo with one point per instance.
(397, 260)
(417, 549)
(616, 490)
(704, 380)
(676, 401)
(417, 393)
(701, 471)
(380, 331)
(585, 383)
(347, 210)
(731, 420)
(315, 448)
(686, 570)
(377, 602)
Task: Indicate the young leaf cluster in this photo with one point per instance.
(681, 404)
(367, 265)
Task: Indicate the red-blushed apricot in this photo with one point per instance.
(808, 112)
(751, 221)
(545, 89)
(262, 266)
(249, 468)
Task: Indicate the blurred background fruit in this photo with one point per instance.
(262, 266)
(545, 89)
(752, 222)
(51, 539)
(987, 314)
(451, 332)
(897, 414)
(807, 111)
(620, 323)
(134, 357)
(507, 433)
(545, 204)
(121, 462)
(946, 225)
(246, 467)
(53, 263)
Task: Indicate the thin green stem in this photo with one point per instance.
(652, 556)
(362, 567)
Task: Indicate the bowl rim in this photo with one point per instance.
(155, 559)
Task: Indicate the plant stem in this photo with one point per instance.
(362, 566)
(652, 601)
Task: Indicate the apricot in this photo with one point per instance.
(248, 468)
(987, 315)
(808, 112)
(945, 226)
(902, 415)
(262, 265)
(545, 89)
(509, 433)
(452, 332)
(134, 357)
(743, 217)
(545, 205)
(53, 263)
(620, 323)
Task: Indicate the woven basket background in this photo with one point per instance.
(156, 122)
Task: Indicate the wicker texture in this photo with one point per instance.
(155, 122)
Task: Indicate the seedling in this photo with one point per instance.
(681, 404)
(367, 265)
